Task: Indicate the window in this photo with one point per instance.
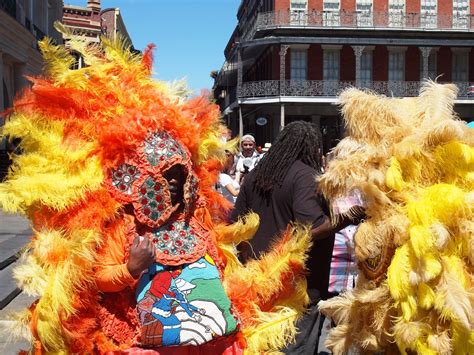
(299, 64)
(460, 66)
(460, 13)
(429, 13)
(298, 12)
(396, 66)
(396, 72)
(267, 6)
(79, 61)
(366, 67)
(396, 12)
(331, 65)
(364, 13)
(331, 12)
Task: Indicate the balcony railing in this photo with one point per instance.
(331, 89)
(363, 20)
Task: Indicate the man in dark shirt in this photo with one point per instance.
(282, 189)
(294, 200)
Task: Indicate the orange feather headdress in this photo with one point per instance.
(79, 130)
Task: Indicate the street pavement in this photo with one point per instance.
(15, 233)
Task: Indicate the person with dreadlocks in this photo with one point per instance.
(282, 190)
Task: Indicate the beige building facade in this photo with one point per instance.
(22, 24)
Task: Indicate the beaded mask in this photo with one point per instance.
(139, 179)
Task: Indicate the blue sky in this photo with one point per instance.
(190, 35)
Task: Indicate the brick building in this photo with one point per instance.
(288, 59)
(92, 22)
(22, 24)
(84, 21)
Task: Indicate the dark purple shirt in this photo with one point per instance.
(296, 200)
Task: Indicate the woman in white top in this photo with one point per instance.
(229, 188)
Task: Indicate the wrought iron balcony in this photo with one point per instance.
(331, 89)
(360, 20)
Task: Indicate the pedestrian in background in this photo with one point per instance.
(248, 158)
(343, 272)
(282, 189)
(228, 187)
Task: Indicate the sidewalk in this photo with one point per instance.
(15, 233)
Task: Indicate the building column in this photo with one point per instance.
(425, 53)
(30, 14)
(282, 116)
(358, 54)
(2, 104)
(239, 72)
(47, 9)
(3, 142)
(283, 50)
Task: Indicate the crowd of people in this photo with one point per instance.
(135, 252)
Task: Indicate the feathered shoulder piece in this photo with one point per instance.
(412, 160)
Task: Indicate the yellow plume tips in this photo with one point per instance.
(393, 177)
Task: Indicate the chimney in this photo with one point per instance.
(94, 5)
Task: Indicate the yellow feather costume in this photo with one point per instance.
(413, 161)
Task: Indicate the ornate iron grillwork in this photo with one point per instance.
(356, 19)
(328, 88)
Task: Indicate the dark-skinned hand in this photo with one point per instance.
(142, 255)
(358, 214)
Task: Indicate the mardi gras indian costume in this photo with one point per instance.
(96, 144)
(413, 162)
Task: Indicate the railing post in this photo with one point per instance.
(283, 50)
(241, 123)
(282, 116)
